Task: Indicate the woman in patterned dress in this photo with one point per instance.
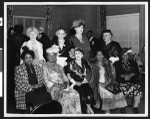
(57, 84)
(29, 86)
(127, 73)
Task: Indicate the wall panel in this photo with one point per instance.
(125, 29)
(122, 9)
(29, 10)
(63, 14)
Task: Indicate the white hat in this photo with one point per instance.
(53, 49)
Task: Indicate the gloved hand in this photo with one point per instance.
(113, 59)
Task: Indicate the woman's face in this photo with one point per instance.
(39, 36)
(61, 34)
(79, 30)
(12, 32)
(78, 55)
(52, 57)
(107, 37)
(125, 57)
(99, 56)
(33, 35)
(28, 59)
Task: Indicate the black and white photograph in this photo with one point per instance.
(75, 59)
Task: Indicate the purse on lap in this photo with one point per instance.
(113, 87)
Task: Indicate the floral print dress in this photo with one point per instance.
(131, 87)
(55, 79)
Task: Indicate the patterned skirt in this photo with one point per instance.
(110, 100)
(130, 89)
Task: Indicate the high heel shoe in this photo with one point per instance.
(89, 110)
(122, 110)
(135, 110)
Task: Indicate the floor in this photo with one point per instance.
(11, 104)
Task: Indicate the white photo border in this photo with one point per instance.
(77, 3)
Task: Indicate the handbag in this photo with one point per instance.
(113, 87)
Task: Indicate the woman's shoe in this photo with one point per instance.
(123, 110)
(97, 106)
(135, 110)
(89, 110)
(107, 111)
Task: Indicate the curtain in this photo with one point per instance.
(9, 16)
(142, 28)
(49, 27)
(101, 18)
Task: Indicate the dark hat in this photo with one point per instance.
(107, 31)
(77, 23)
(79, 49)
(126, 50)
(27, 51)
(18, 28)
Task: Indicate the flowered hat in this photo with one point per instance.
(77, 23)
(126, 50)
(53, 49)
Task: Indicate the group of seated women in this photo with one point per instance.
(78, 86)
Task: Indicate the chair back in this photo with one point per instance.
(49, 107)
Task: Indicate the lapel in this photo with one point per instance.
(24, 70)
(36, 71)
(25, 74)
(64, 47)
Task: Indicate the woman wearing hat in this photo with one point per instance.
(127, 73)
(57, 84)
(80, 40)
(111, 49)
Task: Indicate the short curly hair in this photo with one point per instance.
(31, 29)
(59, 30)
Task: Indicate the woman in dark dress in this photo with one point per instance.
(63, 43)
(77, 72)
(111, 49)
(127, 74)
(79, 39)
